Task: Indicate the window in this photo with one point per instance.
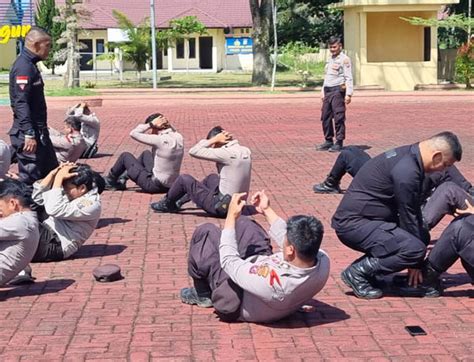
(165, 52)
(427, 44)
(99, 46)
(180, 49)
(192, 48)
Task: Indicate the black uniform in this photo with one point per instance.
(380, 214)
(30, 119)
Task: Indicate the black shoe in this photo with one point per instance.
(357, 277)
(337, 147)
(429, 288)
(190, 296)
(164, 205)
(327, 188)
(182, 201)
(114, 184)
(324, 146)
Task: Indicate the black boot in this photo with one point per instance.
(430, 287)
(357, 277)
(325, 146)
(112, 183)
(337, 147)
(164, 205)
(328, 186)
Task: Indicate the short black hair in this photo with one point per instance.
(152, 117)
(334, 39)
(305, 233)
(453, 141)
(10, 188)
(88, 177)
(214, 132)
(74, 122)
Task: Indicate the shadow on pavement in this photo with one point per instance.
(317, 314)
(111, 220)
(38, 288)
(94, 250)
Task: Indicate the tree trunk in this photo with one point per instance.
(262, 20)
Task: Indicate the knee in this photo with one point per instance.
(415, 252)
(202, 231)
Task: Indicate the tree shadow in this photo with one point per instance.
(316, 313)
(111, 220)
(38, 288)
(96, 250)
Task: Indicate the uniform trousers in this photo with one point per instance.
(395, 248)
(139, 170)
(49, 246)
(34, 166)
(334, 107)
(457, 241)
(350, 160)
(445, 200)
(205, 194)
(204, 262)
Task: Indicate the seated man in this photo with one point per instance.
(19, 233)
(352, 158)
(69, 145)
(234, 166)
(5, 159)
(156, 170)
(264, 287)
(90, 127)
(70, 197)
(380, 214)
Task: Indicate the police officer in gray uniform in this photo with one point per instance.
(29, 134)
(336, 94)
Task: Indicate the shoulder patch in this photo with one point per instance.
(22, 81)
(84, 203)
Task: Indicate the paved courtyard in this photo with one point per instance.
(66, 315)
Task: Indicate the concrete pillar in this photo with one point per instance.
(214, 56)
(170, 59)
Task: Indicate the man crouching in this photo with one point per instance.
(240, 277)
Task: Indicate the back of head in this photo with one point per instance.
(152, 117)
(305, 233)
(35, 35)
(447, 142)
(214, 132)
(88, 177)
(10, 188)
(73, 122)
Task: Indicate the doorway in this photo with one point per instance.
(205, 52)
(86, 54)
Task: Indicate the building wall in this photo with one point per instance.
(7, 54)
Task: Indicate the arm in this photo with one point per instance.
(10, 230)
(348, 81)
(138, 134)
(61, 141)
(22, 80)
(91, 120)
(43, 185)
(203, 151)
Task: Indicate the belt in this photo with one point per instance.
(336, 88)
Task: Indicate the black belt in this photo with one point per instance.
(337, 88)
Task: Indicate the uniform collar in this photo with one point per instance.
(231, 143)
(28, 54)
(167, 131)
(415, 149)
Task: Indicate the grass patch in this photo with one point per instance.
(65, 92)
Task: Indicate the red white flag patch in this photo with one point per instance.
(22, 81)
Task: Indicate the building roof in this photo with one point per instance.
(355, 3)
(212, 13)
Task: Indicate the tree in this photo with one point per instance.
(72, 15)
(138, 47)
(184, 28)
(308, 21)
(46, 11)
(261, 11)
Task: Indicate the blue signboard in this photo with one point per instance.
(238, 45)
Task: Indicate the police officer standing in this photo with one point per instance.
(336, 94)
(29, 134)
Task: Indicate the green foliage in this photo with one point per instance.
(138, 47)
(309, 21)
(465, 64)
(454, 21)
(46, 12)
(297, 57)
(184, 27)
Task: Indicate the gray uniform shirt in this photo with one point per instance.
(73, 221)
(68, 148)
(90, 125)
(338, 70)
(5, 158)
(167, 149)
(233, 161)
(272, 287)
(19, 238)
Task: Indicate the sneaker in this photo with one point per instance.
(326, 188)
(23, 277)
(337, 147)
(114, 185)
(324, 146)
(190, 296)
(164, 205)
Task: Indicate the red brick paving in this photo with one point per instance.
(65, 315)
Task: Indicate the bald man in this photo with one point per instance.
(29, 134)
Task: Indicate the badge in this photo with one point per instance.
(22, 81)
